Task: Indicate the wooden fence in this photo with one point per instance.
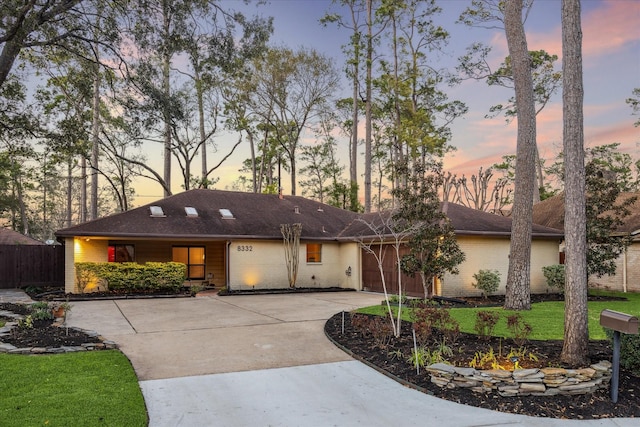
(31, 265)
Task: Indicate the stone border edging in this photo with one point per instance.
(102, 344)
(524, 382)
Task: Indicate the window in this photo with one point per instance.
(193, 257)
(121, 253)
(314, 252)
(156, 211)
(226, 214)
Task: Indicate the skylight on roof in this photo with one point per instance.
(191, 211)
(156, 211)
(226, 214)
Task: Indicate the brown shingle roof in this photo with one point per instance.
(255, 216)
(10, 237)
(550, 213)
(258, 216)
(465, 221)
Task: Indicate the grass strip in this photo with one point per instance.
(546, 318)
(93, 388)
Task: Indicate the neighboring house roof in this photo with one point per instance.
(258, 216)
(550, 213)
(465, 221)
(10, 237)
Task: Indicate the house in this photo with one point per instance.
(550, 213)
(233, 239)
(226, 238)
(10, 237)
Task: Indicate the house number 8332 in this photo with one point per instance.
(245, 248)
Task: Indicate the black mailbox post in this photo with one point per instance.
(619, 323)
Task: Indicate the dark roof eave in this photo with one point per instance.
(460, 233)
(186, 236)
(279, 237)
(508, 234)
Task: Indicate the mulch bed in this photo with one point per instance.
(391, 359)
(44, 333)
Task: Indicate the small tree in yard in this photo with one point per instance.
(433, 247)
(386, 232)
(487, 281)
(291, 235)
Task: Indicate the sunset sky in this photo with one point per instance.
(611, 65)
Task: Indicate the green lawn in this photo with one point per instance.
(95, 388)
(547, 319)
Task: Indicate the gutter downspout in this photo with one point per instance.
(624, 271)
(226, 265)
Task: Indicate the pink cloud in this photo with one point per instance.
(622, 132)
(606, 29)
(611, 27)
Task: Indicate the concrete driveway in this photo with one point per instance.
(178, 337)
(263, 360)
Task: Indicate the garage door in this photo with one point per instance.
(372, 281)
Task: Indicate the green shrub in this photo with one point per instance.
(131, 276)
(555, 276)
(41, 311)
(629, 351)
(395, 299)
(487, 281)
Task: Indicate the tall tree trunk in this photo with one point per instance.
(353, 149)
(203, 142)
(263, 163)
(45, 186)
(292, 160)
(397, 147)
(69, 191)
(166, 90)
(519, 275)
(83, 189)
(576, 326)
(23, 208)
(539, 176)
(254, 166)
(353, 158)
(95, 145)
(368, 118)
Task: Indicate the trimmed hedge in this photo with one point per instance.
(131, 276)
